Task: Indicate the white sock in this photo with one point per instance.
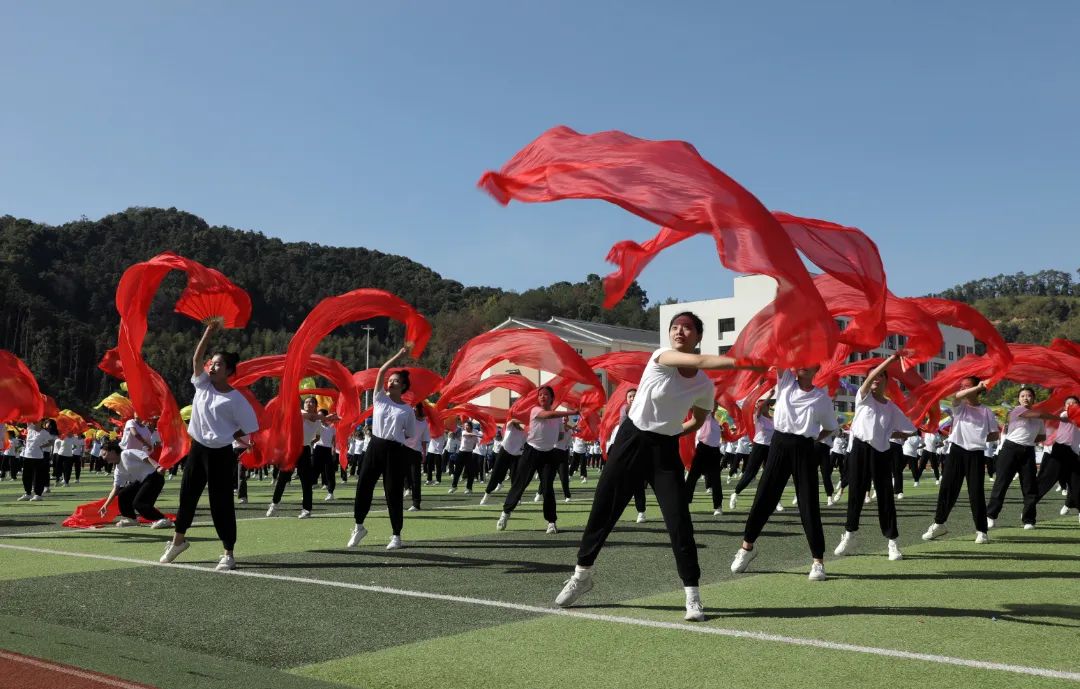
(692, 593)
(582, 572)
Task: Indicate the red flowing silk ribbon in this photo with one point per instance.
(423, 382)
(20, 397)
(87, 516)
(669, 184)
(509, 381)
(329, 314)
(965, 317)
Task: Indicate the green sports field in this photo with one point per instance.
(465, 606)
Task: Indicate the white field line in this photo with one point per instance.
(73, 672)
(579, 614)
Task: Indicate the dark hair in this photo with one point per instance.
(404, 375)
(1074, 398)
(550, 389)
(323, 412)
(112, 446)
(1028, 388)
(974, 379)
(698, 325)
(419, 408)
(230, 359)
(50, 426)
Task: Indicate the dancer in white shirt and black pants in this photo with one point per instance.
(973, 426)
(931, 442)
(538, 455)
(322, 455)
(466, 460)
(707, 461)
(803, 415)
(579, 458)
(393, 422)
(35, 465)
(647, 450)
(219, 415)
(305, 466)
(417, 446)
(1017, 455)
(506, 462)
(876, 420)
(433, 463)
(1062, 463)
(137, 483)
(759, 451)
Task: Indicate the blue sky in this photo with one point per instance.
(947, 131)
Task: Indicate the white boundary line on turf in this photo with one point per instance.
(74, 672)
(578, 614)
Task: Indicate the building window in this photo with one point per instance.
(950, 356)
(938, 368)
(901, 340)
(724, 349)
(891, 342)
(960, 351)
(725, 325)
(923, 369)
(970, 350)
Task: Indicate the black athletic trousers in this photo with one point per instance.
(839, 460)
(416, 462)
(899, 461)
(790, 456)
(139, 498)
(323, 459)
(580, 464)
(962, 464)
(466, 461)
(35, 475)
(305, 471)
(563, 469)
(865, 464)
(504, 462)
(758, 454)
(389, 460)
(1060, 465)
(433, 465)
(706, 463)
(1015, 459)
(635, 458)
(531, 462)
(824, 457)
(212, 469)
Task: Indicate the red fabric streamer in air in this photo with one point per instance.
(852, 258)
(20, 397)
(537, 349)
(423, 382)
(965, 317)
(669, 184)
(328, 315)
(509, 381)
(488, 426)
(621, 366)
(1065, 347)
(87, 516)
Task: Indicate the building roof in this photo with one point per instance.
(573, 330)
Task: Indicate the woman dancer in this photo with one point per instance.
(763, 433)
(803, 414)
(137, 483)
(393, 422)
(647, 450)
(1017, 455)
(1062, 463)
(513, 444)
(973, 426)
(35, 463)
(305, 466)
(322, 454)
(417, 447)
(877, 419)
(434, 462)
(706, 462)
(466, 460)
(219, 415)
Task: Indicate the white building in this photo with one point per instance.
(726, 317)
(587, 339)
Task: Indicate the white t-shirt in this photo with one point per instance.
(422, 435)
(802, 412)
(875, 422)
(312, 429)
(1023, 431)
(437, 445)
(1068, 435)
(14, 445)
(35, 441)
(216, 416)
(742, 446)
(133, 467)
(468, 440)
(763, 430)
(563, 443)
(839, 444)
(326, 435)
(911, 446)
(578, 446)
(971, 425)
(513, 440)
(137, 437)
(452, 444)
(664, 396)
(709, 433)
(931, 441)
(392, 420)
(543, 433)
(57, 446)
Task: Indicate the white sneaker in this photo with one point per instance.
(242, 501)
(695, 612)
(394, 544)
(981, 538)
(732, 501)
(937, 482)
(899, 496)
(640, 518)
(304, 514)
(358, 533)
(126, 521)
(990, 522)
(36, 498)
(329, 497)
(1064, 509)
(795, 501)
(468, 491)
(873, 495)
(172, 551)
(162, 523)
(408, 492)
(779, 507)
(227, 563)
(566, 500)
(915, 484)
(934, 531)
(451, 491)
(271, 510)
(718, 512)
(708, 491)
(498, 488)
(742, 560)
(551, 528)
(47, 490)
(65, 484)
(536, 498)
(728, 480)
(483, 500)
(573, 589)
(817, 572)
(1028, 527)
(501, 524)
(847, 545)
(830, 502)
(584, 479)
(413, 508)
(866, 500)
(26, 496)
(894, 550)
(991, 479)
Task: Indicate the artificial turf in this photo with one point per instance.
(1012, 601)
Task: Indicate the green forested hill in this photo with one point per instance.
(57, 286)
